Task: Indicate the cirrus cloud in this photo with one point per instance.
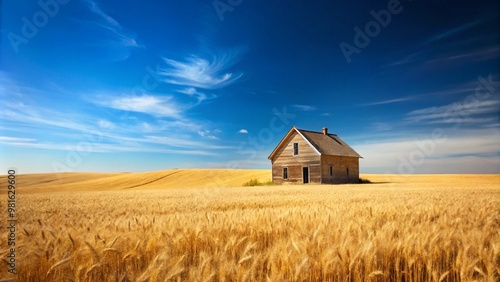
(158, 106)
(195, 71)
(118, 43)
(304, 108)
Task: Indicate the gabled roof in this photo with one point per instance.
(323, 144)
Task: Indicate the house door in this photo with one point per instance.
(305, 175)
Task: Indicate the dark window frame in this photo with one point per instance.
(331, 170)
(296, 149)
(285, 173)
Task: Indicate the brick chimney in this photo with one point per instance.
(325, 130)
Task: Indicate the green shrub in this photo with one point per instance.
(256, 182)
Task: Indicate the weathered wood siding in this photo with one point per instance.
(339, 166)
(307, 157)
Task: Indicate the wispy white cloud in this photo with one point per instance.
(448, 39)
(305, 108)
(182, 142)
(29, 115)
(451, 32)
(448, 58)
(407, 60)
(189, 91)
(208, 134)
(463, 151)
(107, 148)
(120, 42)
(493, 125)
(390, 101)
(466, 57)
(159, 106)
(462, 111)
(243, 131)
(200, 96)
(461, 89)
(381, 126)
(16, 139)
(195, 71)
(105, 124)
(108, 137)
(164, 130)
(98, 11)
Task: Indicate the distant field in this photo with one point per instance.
(176, 178)
(203, 226)
(200, 178)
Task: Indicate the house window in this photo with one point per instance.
(285, 173)
(331, 170)
(295, 149)
(347, 171)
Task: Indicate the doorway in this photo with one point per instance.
(305, 175)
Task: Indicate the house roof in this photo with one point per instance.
(324, 144)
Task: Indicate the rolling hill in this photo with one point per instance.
(175, 178)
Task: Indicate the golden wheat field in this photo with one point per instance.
(202, 225)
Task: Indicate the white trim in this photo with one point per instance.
(286, 137)
(281, 143)
(307, 141)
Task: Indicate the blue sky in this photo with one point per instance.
(88, 85)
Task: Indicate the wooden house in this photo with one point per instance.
(304, 156)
